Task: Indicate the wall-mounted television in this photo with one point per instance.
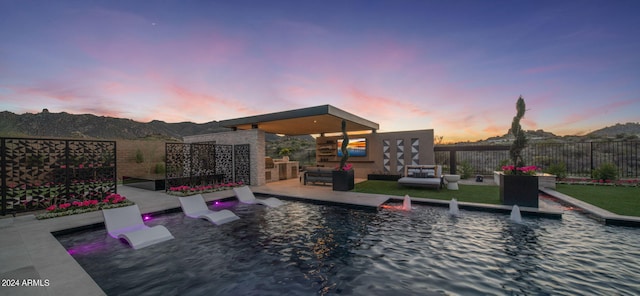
(357, 147)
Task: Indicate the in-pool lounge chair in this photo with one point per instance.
(245, 195)
(194, 206)
(126, 223)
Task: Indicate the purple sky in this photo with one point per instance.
(457, 67)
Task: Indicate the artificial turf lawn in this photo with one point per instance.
(616, 199)
(467, 193)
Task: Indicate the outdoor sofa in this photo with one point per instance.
(318, 174)
(422, 176)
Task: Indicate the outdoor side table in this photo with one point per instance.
(452, 181)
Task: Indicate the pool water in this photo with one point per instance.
(310, 249)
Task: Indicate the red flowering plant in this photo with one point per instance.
(112, 200)
(185, 190)
(346, 167)
(525, 170)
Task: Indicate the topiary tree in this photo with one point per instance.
(520, 142)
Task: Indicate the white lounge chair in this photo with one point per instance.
(194, 206)
(126, 223)
(245, 195)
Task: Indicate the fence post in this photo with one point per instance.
(4, 176)
(115, 167)
(591, 158)
(67, 170)
(453, 162)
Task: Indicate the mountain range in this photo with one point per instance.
(65, 125)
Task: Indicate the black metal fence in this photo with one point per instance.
(37, 173)
(195, 164)
(580, 159)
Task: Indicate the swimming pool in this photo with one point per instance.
(308, 249)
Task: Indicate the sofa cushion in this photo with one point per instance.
(419, 175)
(424, 172)
(431, 173)
(412, 172)
(427, 182)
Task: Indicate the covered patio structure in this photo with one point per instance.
(318, 120)
(381, 152)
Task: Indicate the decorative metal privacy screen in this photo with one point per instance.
(37, 173)
(242, 163)
(204, 164)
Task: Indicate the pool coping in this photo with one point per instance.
(604, 216)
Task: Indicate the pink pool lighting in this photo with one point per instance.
(218, 204)
(87, 248)
(146, 217)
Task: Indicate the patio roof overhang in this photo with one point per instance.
(306, 121)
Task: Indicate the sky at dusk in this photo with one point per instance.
(457, 67)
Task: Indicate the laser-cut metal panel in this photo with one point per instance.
(224, 162)
(242, 163)
(191, 164)
(37, 173)
(203, 164)
(177, 164)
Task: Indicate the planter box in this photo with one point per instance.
(149, 182)
(383, 177)
(544, 180)
(342, 180)
(519, 190)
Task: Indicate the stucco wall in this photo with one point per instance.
(374, 162)
(153, 153)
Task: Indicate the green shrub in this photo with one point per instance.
(160, 169)
(559, 169)
(139, 156)
(606, 171)
(501, 164)
(465, 170)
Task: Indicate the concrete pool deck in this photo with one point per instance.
(28, 250)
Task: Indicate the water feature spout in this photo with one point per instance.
(453, 207)
(406, 204)
(515, 214)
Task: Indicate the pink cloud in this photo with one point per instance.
(134, 45)
(383, 107)
(45, 91)
(595, 111)
(190, 102)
